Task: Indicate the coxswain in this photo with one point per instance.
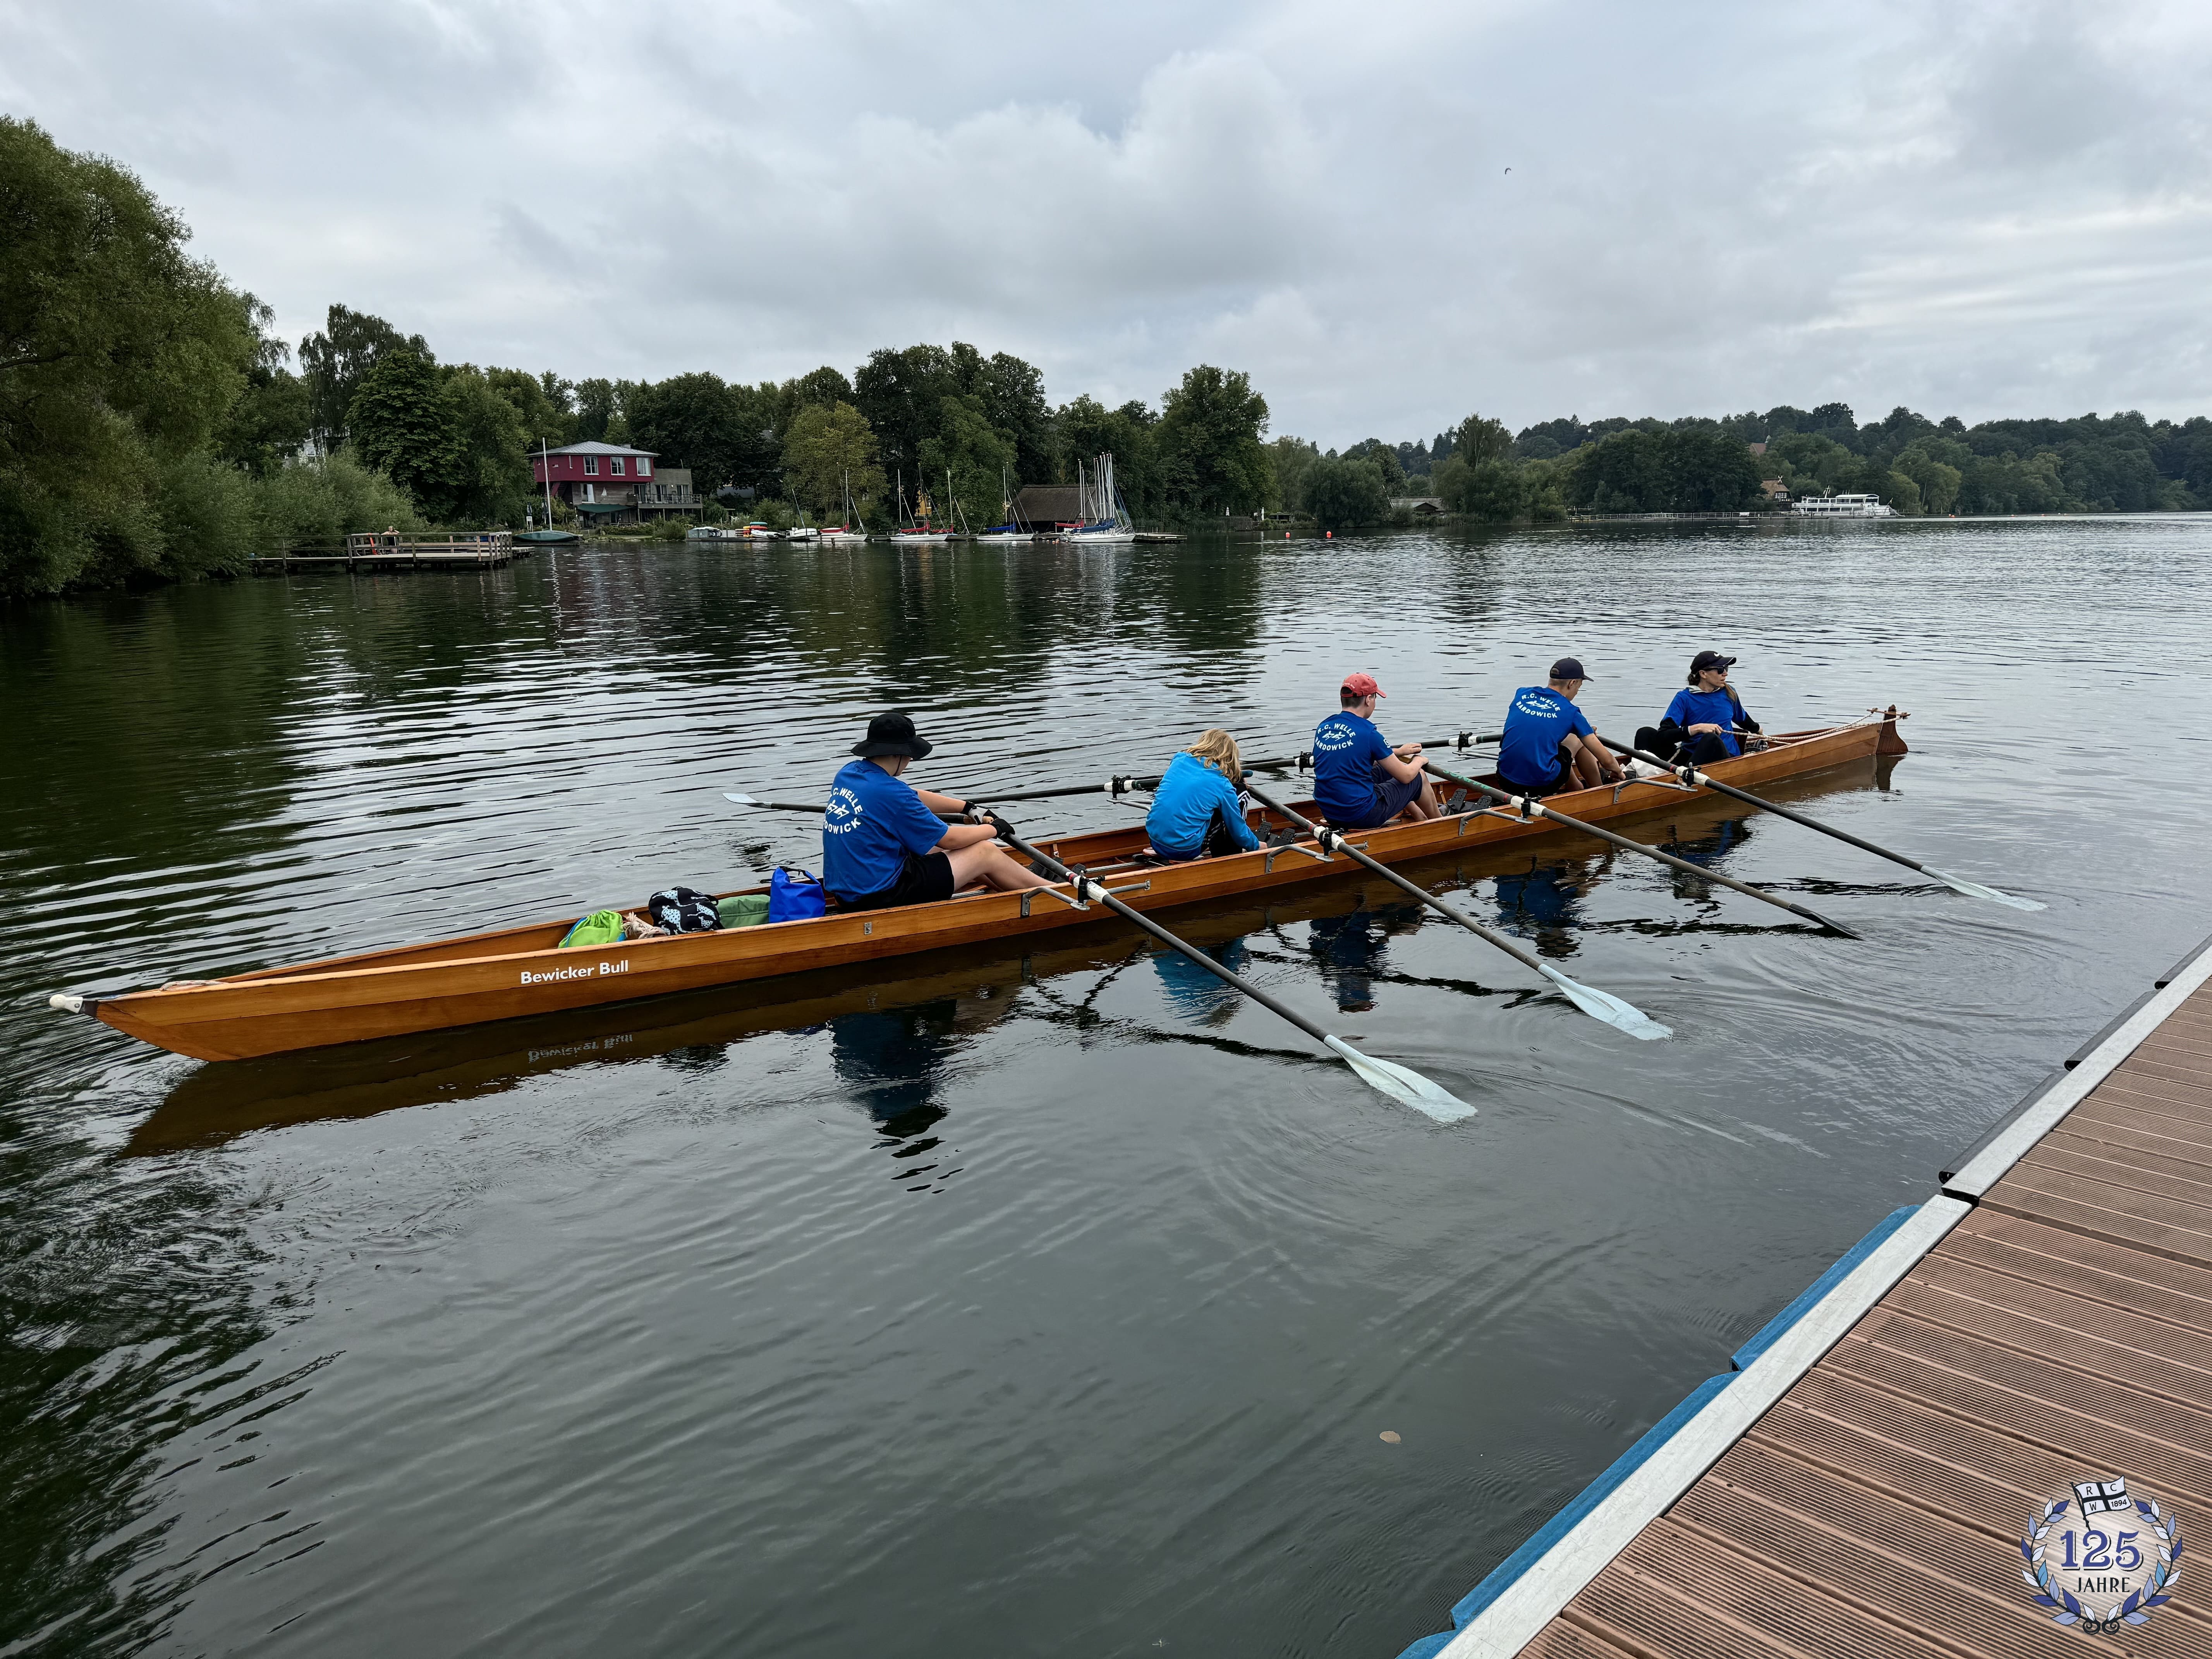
(1360, 782)
(1198, 810)
(883, 841)
(1700, 726)
(1549, 745)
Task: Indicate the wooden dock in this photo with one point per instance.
(480, 551)
(1860, 1482)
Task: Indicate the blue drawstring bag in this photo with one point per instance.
(794, 896)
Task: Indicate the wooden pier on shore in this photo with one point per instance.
(474, 550)
(1862, 1480)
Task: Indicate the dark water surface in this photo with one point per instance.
(1043, 1308)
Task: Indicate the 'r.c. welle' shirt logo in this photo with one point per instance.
(842, 812)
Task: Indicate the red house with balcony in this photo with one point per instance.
(600, 481)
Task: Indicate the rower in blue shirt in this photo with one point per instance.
(1198, 811)
(1700, 726)
(1360, 782)
(883, 842)
(1549, 745)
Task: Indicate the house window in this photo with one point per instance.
(591, 466)
(614, 466)
(644, 467)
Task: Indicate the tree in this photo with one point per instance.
(826, 446)
(335, 362)
(1293, 458)
(1341, 493)
(271, 417)
(976, 455)
(1084, 429)
(900, 393)
(1479, 439)
(1211, 458)
(1491, 490)
(403, 424)
(824, 388)
(1386, 462)
(119, 356)
(543, 403)
(697, 422)
(491, 477)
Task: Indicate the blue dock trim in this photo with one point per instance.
(1541, 1542)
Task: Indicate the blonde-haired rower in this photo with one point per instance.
(1197, 811)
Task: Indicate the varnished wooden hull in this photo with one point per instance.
(519, 971)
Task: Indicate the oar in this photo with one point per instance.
(1956, 883)
(1531, 808)
(1400, 1083)
(1598, 1004)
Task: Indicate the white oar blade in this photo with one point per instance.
(1975, 889)
(1402, 1084)
(1603, 1005)
(742, 800)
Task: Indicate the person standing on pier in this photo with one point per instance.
(1549, 745)
(1361, 782)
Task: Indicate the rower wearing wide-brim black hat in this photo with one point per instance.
(884, 842)
(893, 735)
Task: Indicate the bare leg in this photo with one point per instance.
(1424, 805)
(988, 861)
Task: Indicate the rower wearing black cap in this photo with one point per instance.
(1700, 726)
(1549, 745)
(883, 842)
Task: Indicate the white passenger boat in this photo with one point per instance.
(1842, 507)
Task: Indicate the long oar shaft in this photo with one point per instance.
(1690, 774)
(1550, 814)
(1332, 841)
(1622, 1016)
(1088, 887)
(1400, 1083)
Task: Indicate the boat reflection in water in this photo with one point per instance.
(894, 1039)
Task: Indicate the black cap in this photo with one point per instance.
(1568, 668)
(892, 734)
(1705, 659)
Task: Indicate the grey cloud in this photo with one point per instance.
(1978, 208)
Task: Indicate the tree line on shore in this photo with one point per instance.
(152, 428)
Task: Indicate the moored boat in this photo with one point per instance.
(517, 971)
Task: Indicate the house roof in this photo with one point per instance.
(595, 447)
(1048, 504)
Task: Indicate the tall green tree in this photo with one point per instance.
(1209, 445)
(335, 362)
(403, 424)
(1293, 457)
(271, 418)
(1342, 492)
(119, 355)
(491, 473)
(828, 446)
(1084, 428)
(1478, 438)
(976, 456)
(693, 421)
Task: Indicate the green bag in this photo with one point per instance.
(600, 927)
(744, 910)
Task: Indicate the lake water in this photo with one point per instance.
(1044, 1306)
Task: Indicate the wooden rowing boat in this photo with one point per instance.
(518, 971)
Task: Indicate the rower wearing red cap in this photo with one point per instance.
(1360, 782)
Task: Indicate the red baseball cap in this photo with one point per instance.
(1362, 685)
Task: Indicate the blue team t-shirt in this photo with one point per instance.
(1536, 723)
(1694, 707)
(1345, 749)
(873, 821)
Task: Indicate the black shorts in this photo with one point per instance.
(1558, 786)
(923, 879)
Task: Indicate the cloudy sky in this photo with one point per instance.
(1973, 208)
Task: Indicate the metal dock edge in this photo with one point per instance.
(2081, 1235)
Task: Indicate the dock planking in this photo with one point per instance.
(2058, 1329)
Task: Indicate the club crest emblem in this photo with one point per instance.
(2102, 1556)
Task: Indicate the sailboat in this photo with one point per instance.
(923, 531)
(1012, 530)
(549, 536)
(850, 530)
(1105, 516)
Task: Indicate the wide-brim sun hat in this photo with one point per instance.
(892, 734)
